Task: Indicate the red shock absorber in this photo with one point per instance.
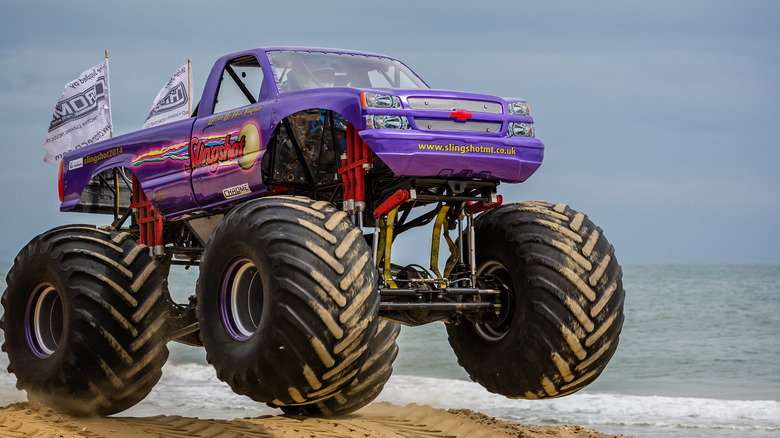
(344, 179)
(476, 207)
(346, 171)
(150, 222)
(137, 203)
(396, 199)
(159, 245)
(354, 164)
(366, 154)
(359, 149)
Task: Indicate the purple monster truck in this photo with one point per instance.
(287, 188)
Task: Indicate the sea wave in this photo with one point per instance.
(593, 409)
(187, 388)
(191, 389)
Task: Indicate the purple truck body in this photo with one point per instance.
(287, 188)
(211, 161)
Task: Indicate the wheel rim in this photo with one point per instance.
(241, 299)
(494, 329)
(43, 320)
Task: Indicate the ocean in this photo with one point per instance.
(699, 356)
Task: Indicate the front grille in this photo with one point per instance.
(453, 104)
(452, 125)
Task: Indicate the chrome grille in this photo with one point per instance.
(453, 104)
(452, 125)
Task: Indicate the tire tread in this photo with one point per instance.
(115, 348)
(574, 299)
(315, 261)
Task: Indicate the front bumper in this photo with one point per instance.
(414, 153)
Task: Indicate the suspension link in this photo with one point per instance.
(472, 250)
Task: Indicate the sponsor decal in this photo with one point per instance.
(228, 149)
(466, 149)
(159, 195)
(177, 152)
(79, 105)
(230, 115)
(232, 192)
(113, 152)
(75, 164)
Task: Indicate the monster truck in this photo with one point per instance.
(288, 187)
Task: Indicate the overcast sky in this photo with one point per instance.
(659, 118)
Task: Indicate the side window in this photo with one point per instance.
(239, 85)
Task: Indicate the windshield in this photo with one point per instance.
(297, 70)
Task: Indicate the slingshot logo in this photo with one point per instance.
(176, 97)
(79, 105)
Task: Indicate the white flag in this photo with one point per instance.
(172, 102)
(82, 116)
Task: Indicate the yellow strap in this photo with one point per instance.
(440, 219)
(388, 242)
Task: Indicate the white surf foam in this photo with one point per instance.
(589, 408)
(193, 390)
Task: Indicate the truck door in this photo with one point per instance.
(226, 143)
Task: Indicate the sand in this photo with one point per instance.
(378, 420)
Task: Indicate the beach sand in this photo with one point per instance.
(378, 420)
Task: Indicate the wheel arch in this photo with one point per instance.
(97, 192)
(342, 100)
(306, 158)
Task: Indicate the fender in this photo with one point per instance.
(84, 165)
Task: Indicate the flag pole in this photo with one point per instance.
(111, 130)
(189, 89)
(116, 171)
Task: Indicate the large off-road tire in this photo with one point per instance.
(287, 300)
(85, 320)
(562, 302)
(368, 382)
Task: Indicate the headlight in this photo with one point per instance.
(519, 109)
(519, 129)
(371, 100)
(386, 122)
